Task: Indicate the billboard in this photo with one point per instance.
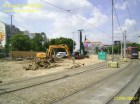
(2, 34)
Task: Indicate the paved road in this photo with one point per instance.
(101, 93)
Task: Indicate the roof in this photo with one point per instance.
(86, 41)
(131, 47)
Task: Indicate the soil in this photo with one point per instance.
(13, 70)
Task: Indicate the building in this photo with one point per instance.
(117, 42)
(26, 32)
(2, 34)
(32, 35)
(92, 46)
(5, 32)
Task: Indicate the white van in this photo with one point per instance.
(61, 54)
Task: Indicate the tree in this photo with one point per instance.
(37, 43)
(61, 40)
(7, 46)
(133, 45)
(20, 42)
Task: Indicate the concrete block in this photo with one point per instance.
(114, 64)
(109, 63)
(125, 59)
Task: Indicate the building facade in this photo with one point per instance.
(5, 33)
(2, 34)
(92, 46)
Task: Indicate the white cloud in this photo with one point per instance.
(56, 22)
(98, 19)
(120, 6)
(3, 16)
(129, 25)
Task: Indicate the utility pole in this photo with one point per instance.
(124, 43)
(121, 48)
(81, 51)
(73, 43)
(11, 31)
(112, 34)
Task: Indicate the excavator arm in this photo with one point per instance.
(51, 47)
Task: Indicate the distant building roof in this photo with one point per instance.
(86, 41)
(94, 43)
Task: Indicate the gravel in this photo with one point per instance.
(48, 93)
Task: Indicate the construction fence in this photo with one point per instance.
(23, 54)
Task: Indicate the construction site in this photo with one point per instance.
(60, 77)
(15, 70)
(69, 52)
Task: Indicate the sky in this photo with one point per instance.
(63, 18)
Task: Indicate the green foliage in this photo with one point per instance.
(20, 42)
(7, 46)
(61, 40)
(117, 49)
(134, 45)
(36, 43)
(97, 50)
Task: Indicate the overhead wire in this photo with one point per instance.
(89, 23)
(130, 15)
(69, 11)
(118, 20)
(55, 5)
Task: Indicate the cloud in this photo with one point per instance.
(129, 25)
(3, 16)
(121, 6)
(56, 22)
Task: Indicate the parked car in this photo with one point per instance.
(61, 54)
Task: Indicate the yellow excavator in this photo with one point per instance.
(50, 49)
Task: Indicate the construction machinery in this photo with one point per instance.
(46, 60)
(50, 50)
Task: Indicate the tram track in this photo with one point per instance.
(5, 88)
(28, 82)
(76, 72)
(68, 75)
(123, 89)
(102, 80)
